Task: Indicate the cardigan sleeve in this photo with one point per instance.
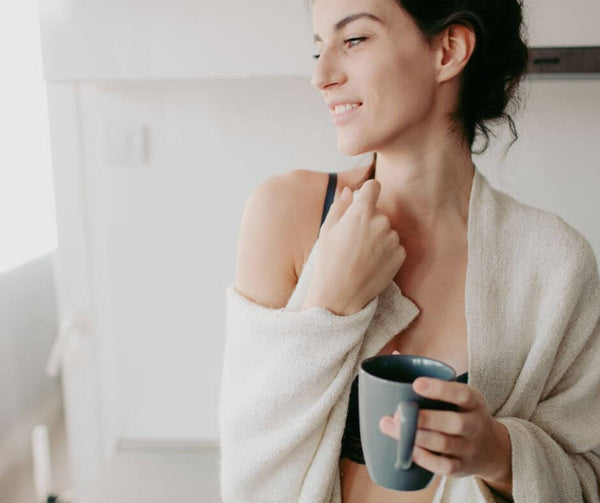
(556, 452)
(283, 371)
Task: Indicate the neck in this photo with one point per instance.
(425, 198)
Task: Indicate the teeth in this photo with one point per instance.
(340, 109)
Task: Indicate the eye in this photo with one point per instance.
(358, 40)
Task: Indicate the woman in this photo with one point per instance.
(425, 249)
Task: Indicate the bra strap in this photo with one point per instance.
(329, 197)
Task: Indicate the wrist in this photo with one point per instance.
(313, 299)
(500, 476)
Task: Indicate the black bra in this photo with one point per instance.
(351, 446)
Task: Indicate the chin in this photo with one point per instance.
(352, 147)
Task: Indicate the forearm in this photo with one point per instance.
(283, 373)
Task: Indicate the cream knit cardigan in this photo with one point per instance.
(532, 310)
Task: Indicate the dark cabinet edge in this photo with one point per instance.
(564, 61)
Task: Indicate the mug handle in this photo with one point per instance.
(408, 412)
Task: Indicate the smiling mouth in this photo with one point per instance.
(341, 109)
(343, 114)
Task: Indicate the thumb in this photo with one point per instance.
(338, 208)
(396, 352)
(369, 193)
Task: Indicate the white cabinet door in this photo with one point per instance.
(556, 23)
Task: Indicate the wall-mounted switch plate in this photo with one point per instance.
(125, 144)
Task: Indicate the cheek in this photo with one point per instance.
(405, 89)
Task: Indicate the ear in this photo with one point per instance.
(454, 48)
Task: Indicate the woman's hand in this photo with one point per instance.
(459, 443)
(359, 253)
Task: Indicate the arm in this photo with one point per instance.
(268, 242)
(283, 371)
(556, 452)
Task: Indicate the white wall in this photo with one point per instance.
(165, 39)
(555, 163)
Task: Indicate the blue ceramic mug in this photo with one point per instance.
(384, 387)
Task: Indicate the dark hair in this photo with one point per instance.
(491, 77)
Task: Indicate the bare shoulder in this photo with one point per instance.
(280, 225)
(273, 235)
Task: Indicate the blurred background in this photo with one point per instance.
(133, 132)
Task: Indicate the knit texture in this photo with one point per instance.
(532, 304)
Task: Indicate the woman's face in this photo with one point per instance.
(388, 69)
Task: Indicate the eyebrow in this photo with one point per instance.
(348, 19)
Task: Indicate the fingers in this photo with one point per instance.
(369, 193)
(463, 395)
(389, 427)
(338, 208)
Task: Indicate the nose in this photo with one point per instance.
(326, 71)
